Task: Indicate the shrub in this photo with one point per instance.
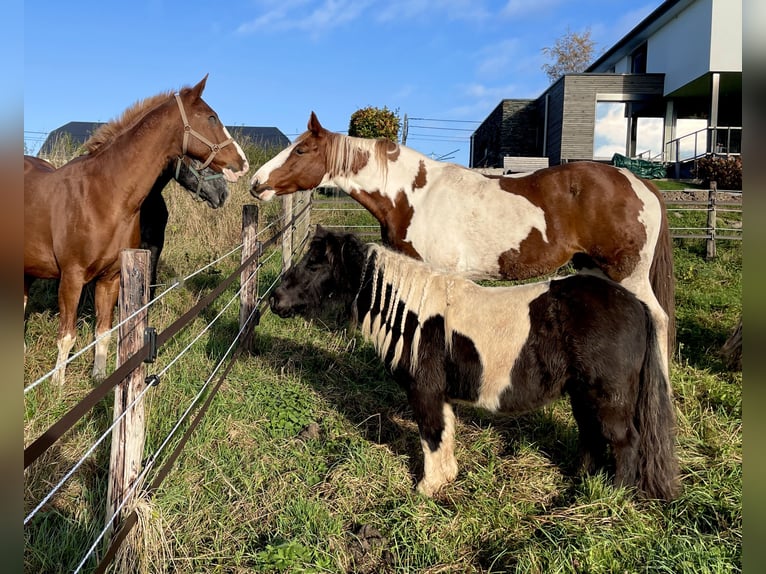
(373, 122)
(725, 171)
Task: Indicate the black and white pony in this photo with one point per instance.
(509, 349)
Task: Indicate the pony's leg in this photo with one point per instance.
(107, 290)
(592, 444)
(617, 415)
(439, 463)
(70, 288)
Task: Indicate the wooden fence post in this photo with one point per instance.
(710, 251)
(287, 233)
(128, 435)
(248, 295)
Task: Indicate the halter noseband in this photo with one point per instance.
(197, 174)
(188, 130)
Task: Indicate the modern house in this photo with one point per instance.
(76, 133)
(683, 61)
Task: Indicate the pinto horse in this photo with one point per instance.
(79, 217)
(459, 220)
(508, 349)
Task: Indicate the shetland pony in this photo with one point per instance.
(508, 349)
(79, 217)
(458, 220)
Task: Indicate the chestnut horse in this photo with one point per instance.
(458, 220)
(79, 217)
(204, 184)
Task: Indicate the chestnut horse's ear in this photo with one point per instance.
(197, 90)
(314, 126)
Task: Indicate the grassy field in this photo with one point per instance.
(307, 459)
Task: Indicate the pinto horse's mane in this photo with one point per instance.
(110, 130)
(347, 154)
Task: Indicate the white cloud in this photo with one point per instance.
(304, 15)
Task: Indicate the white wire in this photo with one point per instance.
(118, 325)
(135, 401)
(86, 455)
(153, 458)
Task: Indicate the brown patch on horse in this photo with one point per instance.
(394, 217)
(420, 178)
(580, 188)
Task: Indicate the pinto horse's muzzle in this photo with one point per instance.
(262, 191)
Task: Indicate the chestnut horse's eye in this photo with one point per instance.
(213, 120)
(300, 151)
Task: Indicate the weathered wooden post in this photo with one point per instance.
(248, 295)
(287, 232)
(710, 251)
(129, 433)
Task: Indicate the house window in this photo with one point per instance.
(638, 60)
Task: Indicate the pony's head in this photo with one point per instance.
(327, 276)
(205, 138)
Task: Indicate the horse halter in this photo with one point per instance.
(188, 130)
(194, 167)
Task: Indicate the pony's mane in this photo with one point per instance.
(109, 131)
(346, 154)
(413, 283)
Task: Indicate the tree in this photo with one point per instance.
(371, 122)
(571, 53)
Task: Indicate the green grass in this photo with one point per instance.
(253, 491)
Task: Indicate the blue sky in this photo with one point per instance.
(271, 62)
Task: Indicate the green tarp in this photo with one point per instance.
(641, 167)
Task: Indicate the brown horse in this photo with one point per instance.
(79, 217)
(460, 221)
(204, 184)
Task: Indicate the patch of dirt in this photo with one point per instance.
(368, 550)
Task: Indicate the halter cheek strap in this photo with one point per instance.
(188, 130)
(197, 175)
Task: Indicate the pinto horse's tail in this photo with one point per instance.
(662, 275)
(658, 471)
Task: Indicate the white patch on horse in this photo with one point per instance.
(64, 345)
(456, 243)
(440, 466)
(264, 172)
(228, 174)
(638, 282)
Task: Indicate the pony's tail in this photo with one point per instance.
(658, 471)
(661, 274)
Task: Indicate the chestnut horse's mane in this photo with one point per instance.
(346, 154)
(106, 133)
